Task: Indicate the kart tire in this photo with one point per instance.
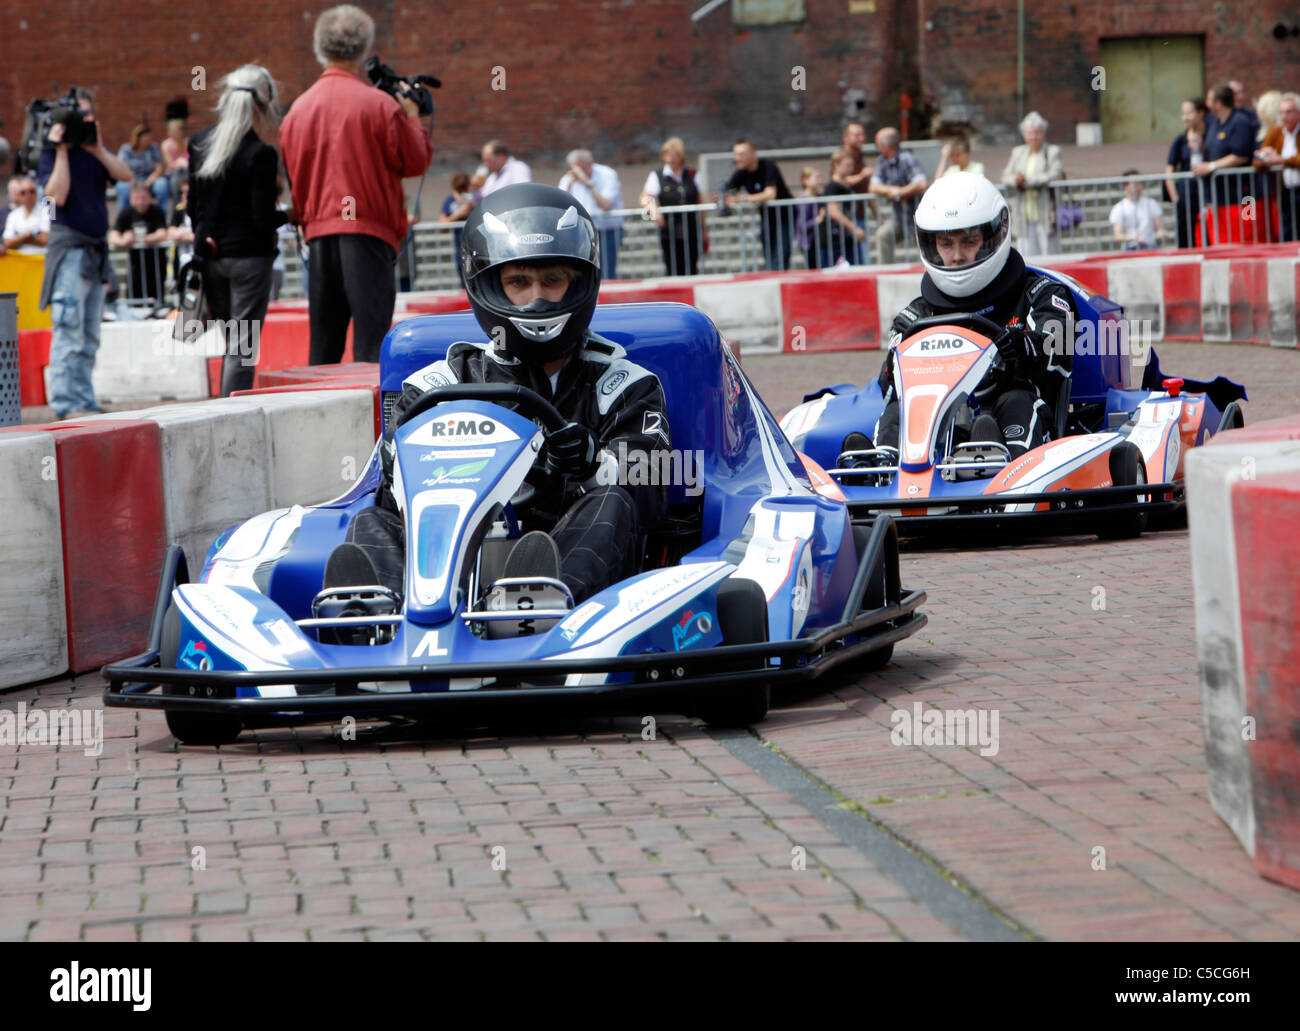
(742, 618)
(191, 728)
(1127, 468)
(872, 598)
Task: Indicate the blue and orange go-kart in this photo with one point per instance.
(757, 578)
(1115, 458)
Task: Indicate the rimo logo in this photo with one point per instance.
(463, 428)
(941, 344)
(101, 984)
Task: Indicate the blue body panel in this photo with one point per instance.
(744, 457)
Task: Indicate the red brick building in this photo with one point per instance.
(619, 75)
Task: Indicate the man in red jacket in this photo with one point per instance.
(347, 147)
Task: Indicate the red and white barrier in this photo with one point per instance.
(1242, 511)
(34, 641)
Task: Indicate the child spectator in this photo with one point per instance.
(1135, 220)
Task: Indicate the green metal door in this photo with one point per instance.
(1147, 78)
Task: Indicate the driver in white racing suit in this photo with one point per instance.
(962, 228)
(530, 257)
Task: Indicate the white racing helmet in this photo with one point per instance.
(956, 203)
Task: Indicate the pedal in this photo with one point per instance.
(354, 615)
(853, 466)
(974, 460)
(520, 606)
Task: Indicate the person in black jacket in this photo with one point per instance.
(962, 229)
(531, 259)
(234, 214)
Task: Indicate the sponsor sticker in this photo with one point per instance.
(578, 618)
(940, 345)
(690, 628)
(461, 429)
(613, 382)
(459, 453)
(1060, 303)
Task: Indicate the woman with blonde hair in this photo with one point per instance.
(682, 235)
(233, 209)
(1033, 165)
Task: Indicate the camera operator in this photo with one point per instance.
(347, 147)
(76, 177)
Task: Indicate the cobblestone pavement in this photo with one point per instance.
(590, 831)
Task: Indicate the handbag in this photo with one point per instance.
(193, 308)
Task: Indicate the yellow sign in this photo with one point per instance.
(22, 274)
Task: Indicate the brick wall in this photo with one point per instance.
(612, 74)
(619, 75)
(968, 57)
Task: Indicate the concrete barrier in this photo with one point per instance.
(319, 441)
(139, 361)
(1265, 515)
(33, 618)
(215, 469)
(1248, 455)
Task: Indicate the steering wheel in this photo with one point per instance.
(527, 402)
(998, 379)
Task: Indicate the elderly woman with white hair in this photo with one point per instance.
(1031, 167)
(234, 214)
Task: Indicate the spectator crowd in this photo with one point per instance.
(222, 204)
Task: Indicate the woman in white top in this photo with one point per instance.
(1033, 165)
(681, 236)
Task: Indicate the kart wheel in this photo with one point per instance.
(191, 728)
(742, 618)
(1127, 468)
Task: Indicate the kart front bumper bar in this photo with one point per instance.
(1081, 510)
(132, 682)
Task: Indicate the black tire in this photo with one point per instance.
(191, 728)
(742, 618)
(1127, 468)
(872, 598)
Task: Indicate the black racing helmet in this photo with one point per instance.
(537, 224)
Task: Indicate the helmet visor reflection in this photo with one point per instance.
(527, 234)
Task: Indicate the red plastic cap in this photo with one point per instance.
(1173, 386)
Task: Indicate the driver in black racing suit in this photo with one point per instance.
(532, 271)
(962, 229)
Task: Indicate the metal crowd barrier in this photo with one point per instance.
(804, 233)
(1231, 206)
(146, 274)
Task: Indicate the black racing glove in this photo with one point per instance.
(1014, 345)
(571, 452)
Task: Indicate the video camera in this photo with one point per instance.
(42, 115)
(388, 80)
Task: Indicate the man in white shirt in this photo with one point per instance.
(598, 189)
(1135, 220)
(27, 229)
(502, 169)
